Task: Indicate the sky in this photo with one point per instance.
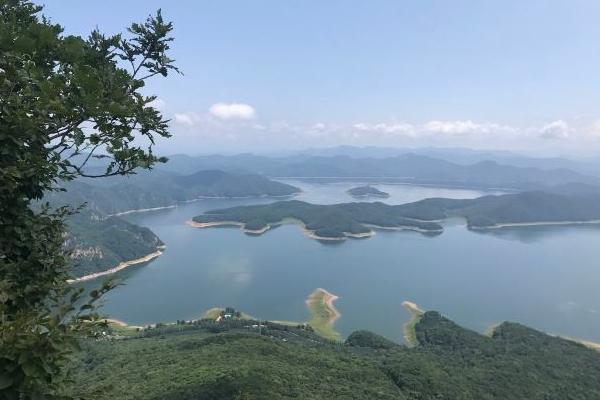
(266, 76)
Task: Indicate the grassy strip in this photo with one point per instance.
(323, 313)
(409, 327)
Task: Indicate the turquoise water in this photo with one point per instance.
(545, 277)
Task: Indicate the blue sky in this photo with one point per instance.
(273, 75)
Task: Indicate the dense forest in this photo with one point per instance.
(232, 361)
(328, 221)
(96, 242)
(150, 189)
(561, 204)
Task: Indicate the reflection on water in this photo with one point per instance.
(530, 234)
(546, 277)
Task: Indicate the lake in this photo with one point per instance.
(544, 277)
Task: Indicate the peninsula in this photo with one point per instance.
(323, 313)
(321, 222)
(341, 221)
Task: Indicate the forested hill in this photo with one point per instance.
(97, 242)
(150, 189)
(563, 204)
(286, 362)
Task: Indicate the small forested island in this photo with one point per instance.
(252, 359)
(367, 191)
(562, 206)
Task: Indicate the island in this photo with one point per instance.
(361, 219)
(322, 222)
(367, 191)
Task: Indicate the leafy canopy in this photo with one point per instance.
(64, 100)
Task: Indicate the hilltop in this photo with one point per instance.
(230, 360)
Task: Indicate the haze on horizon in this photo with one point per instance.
(273, 76)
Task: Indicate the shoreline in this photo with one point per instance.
(537, 223)
(323, 320)
(121, 266)
(200, 198)
(311, 233)
(409, 326)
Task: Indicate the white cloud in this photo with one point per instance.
(460, 127)
(232, 111)
(187, 119)
(389, 128)
(558, 129)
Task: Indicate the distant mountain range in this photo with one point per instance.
(408, 168)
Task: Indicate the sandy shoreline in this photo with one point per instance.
(409, 326)
(323, 322)
(311, 233)
(329, 298)
(203, 225)
(122, 265)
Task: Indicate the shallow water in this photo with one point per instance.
(545, 277)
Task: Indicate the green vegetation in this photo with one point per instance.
(154, 189)
(367, 191)
(563, 204)
(410, 333)
(65, 100)
(557, 205)
(96, 242)
(323, 313)
(327, 221)
(231, 361)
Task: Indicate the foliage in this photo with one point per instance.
(61, 97)
(367, 191)
(285, 362)
(160, 189)
(96, 242)
(326, 220)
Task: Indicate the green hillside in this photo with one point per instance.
(327, 221)
(339, 220)
(162, 189)
(206, 360)
(97, 242)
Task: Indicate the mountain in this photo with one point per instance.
(231, 360)
(462, 156)
(97, 242)
(405, 167)
(156, 188)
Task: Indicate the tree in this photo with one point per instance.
(64, 100)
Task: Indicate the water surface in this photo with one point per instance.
(545, 277)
